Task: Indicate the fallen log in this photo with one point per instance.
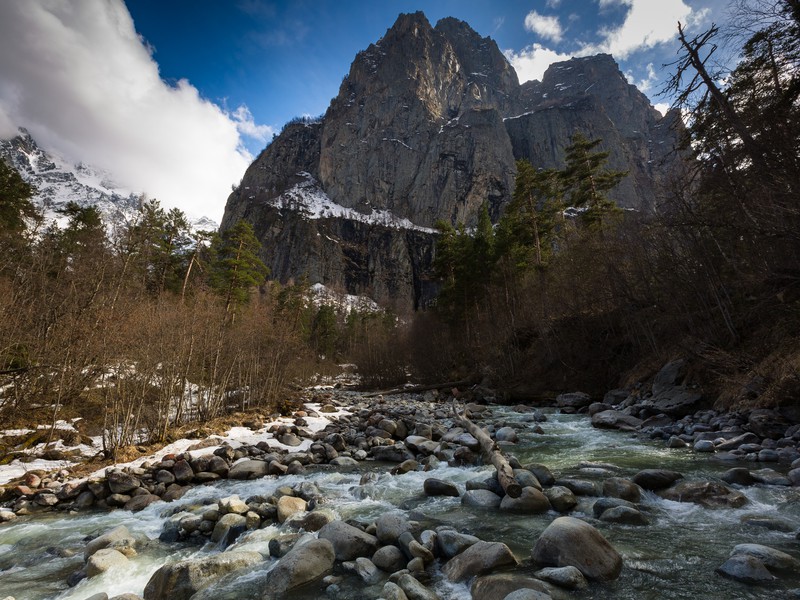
(416, 389)
(492, 453)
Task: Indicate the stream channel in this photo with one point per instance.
(672, 557)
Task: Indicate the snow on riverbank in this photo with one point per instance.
(235, 437)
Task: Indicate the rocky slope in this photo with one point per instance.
(427, 125)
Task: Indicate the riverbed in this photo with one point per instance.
(674, 556)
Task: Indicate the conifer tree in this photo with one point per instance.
(586, 181)
(236, 267)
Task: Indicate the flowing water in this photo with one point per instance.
(672, 557)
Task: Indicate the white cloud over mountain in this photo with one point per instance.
(545, 26)
(78, 76)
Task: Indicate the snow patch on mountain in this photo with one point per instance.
(310, 199)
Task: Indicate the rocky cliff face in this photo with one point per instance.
(427, 125)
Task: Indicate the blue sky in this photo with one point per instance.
(176, 97)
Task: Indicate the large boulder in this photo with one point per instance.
(302, 564)
(395, 453)
(390, 526)
(103, 560)
(450, 542)
(773, 559)
(481, 499)
(746, 569)
(122, 483)
(348, 542)
(571, 542)
(573, 400)
(767, 423)
(532, 501)
(706, 493)
(656, 479)
(119, 538)
(478, 559)
(182, 579)
(289, 506)
(614, 419)
(249, 469)
(500, 585)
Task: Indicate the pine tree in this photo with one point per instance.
(528, 225)
(236, 267)
(586, 181)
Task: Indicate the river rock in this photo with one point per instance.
(395, 453)
(140, 502)
(561, 498)
(506, 434)
(390, 526)
(614, 419)
(488, 483)
(500, 585)
(739, 440)
(579, 487)
(413, 589)
(571, 542)
(182, 579)
(703, 446)
(656, 479)
(619, 487)
(450, 542)
(421, 445)
(770, 477)
(566, 577)
(348, 542)
(623, 515)
(767, 423)
(228, 528)
(542, 473)
(794, 477)
(746, 569)
(232, 505)
(481, 499)
(389, 559)
(531, 501)
(289, 506)
(573, 400)
(183, 471)
(706, 493)
(527, 479)
(437, 487)
(314, 520)
(738, 476)
(478, 559)
(118, 538)
(103, 560)
(527, 595)
(771, 558)
(675, 442)
(392, 591)
(603, 504)
(303, 564)
(249, 469)
(122, 483)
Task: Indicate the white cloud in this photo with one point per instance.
(531, 62)
(544, 26)
(553, 3)
(662, 107)
(83, 82)
(647, 24)
(248, 127)
(645, 84)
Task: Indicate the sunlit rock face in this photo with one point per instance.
(427, 126)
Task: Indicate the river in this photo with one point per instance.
(672, 557)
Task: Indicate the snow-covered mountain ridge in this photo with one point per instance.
(58, 181)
